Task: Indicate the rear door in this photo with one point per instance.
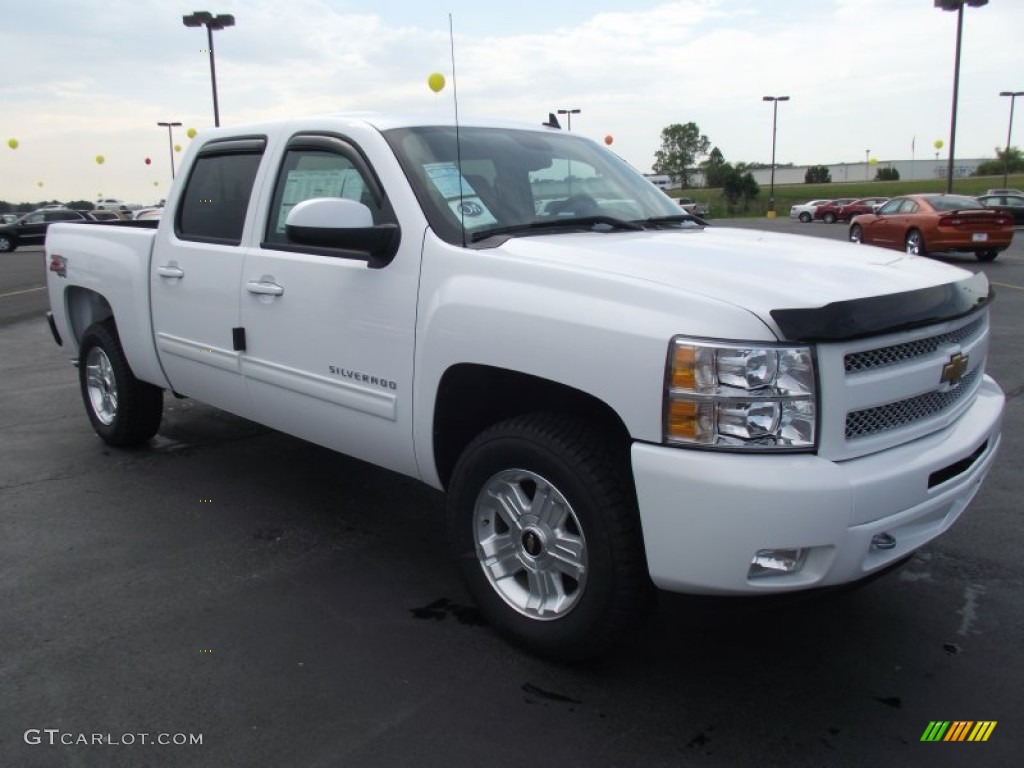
(196, 272)
(330, 341)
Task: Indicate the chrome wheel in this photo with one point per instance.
(915, 244)
(856, 235)
(530, 544)
(101, 385)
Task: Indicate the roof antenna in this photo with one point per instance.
(552, 121)
(458, 143)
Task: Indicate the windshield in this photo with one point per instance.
(524, 182)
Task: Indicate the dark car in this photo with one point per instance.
(857, 207)
(1011, 204)
(829, 212)
(921, 224)
(31, 228)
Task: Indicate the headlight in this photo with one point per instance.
(733, 395)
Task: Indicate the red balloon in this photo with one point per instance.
(148, 161)
(608, 139)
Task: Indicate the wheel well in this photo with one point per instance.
(471, 398)
(85, 307)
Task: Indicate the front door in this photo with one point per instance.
(330, 341)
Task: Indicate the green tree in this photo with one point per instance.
(996, 167)
(817, 174)
(680, 145)
(739, 186)
(715, 168)
(887, 174)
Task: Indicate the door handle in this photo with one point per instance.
(264, 288)
(170, 270)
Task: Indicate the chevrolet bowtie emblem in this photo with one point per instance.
(954, 370)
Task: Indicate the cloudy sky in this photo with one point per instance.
(83, 78)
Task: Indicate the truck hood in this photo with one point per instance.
(758, 271)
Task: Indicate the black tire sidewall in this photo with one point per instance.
(584, 630)
(139, 404)
(13, 243)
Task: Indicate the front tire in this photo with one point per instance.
(986, 255)
(805, 217)
(544, 526)
(7, 244)
(123, 410)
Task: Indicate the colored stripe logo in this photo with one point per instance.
(959, 730)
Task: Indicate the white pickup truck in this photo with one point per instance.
(613, 395)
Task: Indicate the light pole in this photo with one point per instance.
(958, 6)
(170, 140)
(211, 22)
(569, 113)
(867, 163)
(1006, 160)
(775, 122)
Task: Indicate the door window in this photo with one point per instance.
(318, 167)
(216, 197)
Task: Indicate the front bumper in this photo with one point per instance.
(705, 513)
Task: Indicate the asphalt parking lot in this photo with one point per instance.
(292, 607)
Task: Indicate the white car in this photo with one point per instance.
(805, 212)
(110, 204)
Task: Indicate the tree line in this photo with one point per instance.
(683, 143)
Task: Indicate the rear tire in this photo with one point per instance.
(544, 526)
(987, 255)
(829, 218)
(856, 234)
(123, 410)
(7, 243)
(914, 243)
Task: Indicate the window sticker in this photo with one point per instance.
(467, 207)
(305, 185)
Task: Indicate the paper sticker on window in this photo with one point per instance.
(445, 177)
(472, 211)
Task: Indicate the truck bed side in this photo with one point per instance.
(106, 274)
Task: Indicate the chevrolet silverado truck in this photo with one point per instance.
(614, 396)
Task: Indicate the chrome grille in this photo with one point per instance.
(856, 362)
(871, 421)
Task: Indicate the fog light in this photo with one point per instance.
(883, 541)
(776, 562)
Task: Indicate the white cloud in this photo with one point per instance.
(96, 76)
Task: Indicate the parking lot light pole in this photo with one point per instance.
(958, 6)
(1006, 159)
(211, 22)
(569, 113)
(867, 163)
(775, 122)
(170, 140)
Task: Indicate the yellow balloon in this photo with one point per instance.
(156, 183)
(873, 161)
(938, 144)
(191, 133)
(177, 147)
(39, 183)
(12, 143)
(100, 159)
(436, 82)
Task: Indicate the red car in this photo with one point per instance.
(829, 213)
(857, 207)
(920, 224)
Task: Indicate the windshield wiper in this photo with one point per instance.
(573, 223)
(677, 218)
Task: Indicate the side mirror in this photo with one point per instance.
(335, 222)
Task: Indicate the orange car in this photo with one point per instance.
(920, 224)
